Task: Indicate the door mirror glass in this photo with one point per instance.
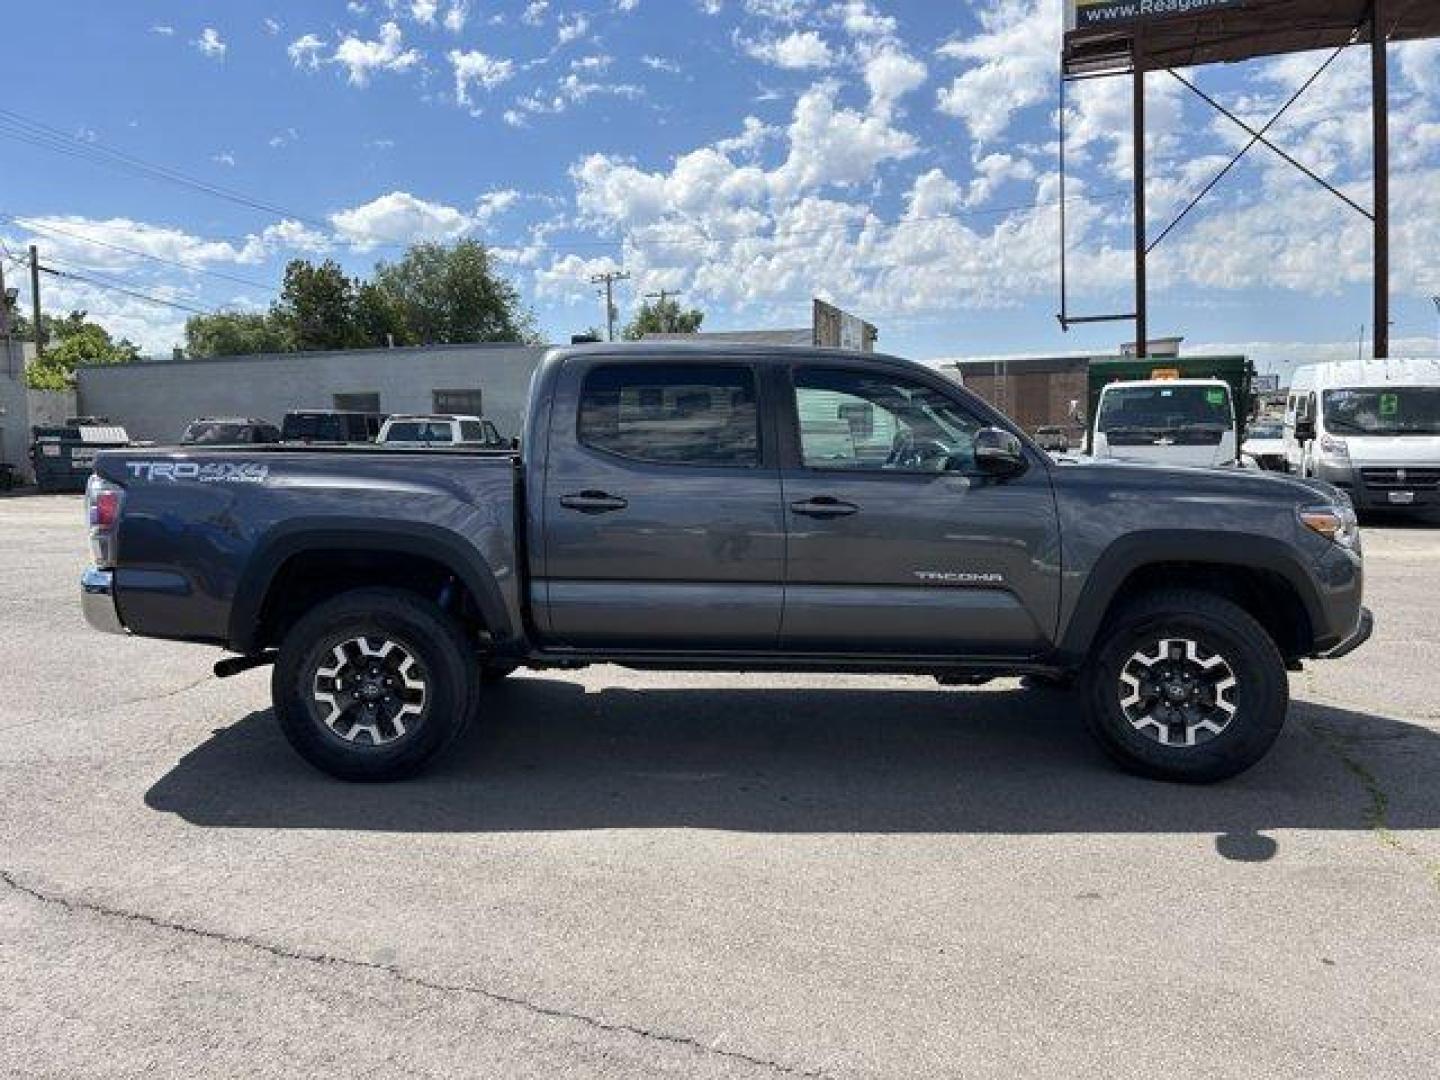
(998, 452)
(1304, 430)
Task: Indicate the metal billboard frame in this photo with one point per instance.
(1226, 31)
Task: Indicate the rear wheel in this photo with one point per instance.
(1186, 686)
(373, 684)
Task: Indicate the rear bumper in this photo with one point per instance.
(97, 601)
(1354, 641)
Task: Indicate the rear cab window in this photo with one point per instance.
(703, 415)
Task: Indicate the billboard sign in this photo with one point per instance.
(837, 329)
(1097, 14)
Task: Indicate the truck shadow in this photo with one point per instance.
(550, 756)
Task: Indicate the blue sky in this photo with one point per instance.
(896, 158)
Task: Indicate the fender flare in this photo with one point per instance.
(1154, 547)
(298, 536)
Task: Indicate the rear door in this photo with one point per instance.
(663, 526)
(897, 542)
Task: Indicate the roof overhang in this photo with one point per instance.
(1109, 36)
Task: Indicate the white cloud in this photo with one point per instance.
(305, 51)
(571, 28)
(455, 16)
(1010, 65)
(659, 63)
(475, 67)
(424, 11)
(399, 218)
(387, 53)
(534, 13)
(224, 157)
(163, 30)
(799, 50)
(211, 44)
(271, 26)
(891, 73)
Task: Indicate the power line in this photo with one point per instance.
(92, 278)
(51, 230)
(32, 132)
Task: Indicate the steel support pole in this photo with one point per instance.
(1142, 321)
(1380, 113)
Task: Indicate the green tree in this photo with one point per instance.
(379, 319)
(235, 333)
(664, 316)
(72, 341)
(453, 294)
(317, 306)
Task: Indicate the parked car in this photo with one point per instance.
(229, 431)
(330, 426)
(736, 508)
(1371, 428)
(436, 430)
(1265, 445)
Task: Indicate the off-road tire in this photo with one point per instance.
(1259, 696)
(435, 652)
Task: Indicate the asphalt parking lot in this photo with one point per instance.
(691, 875)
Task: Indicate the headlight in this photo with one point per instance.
(1332, 447)
(1333, 522)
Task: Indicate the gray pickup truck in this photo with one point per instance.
(732, 508)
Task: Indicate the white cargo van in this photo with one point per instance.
(1371, 428)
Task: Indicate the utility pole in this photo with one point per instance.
(1436, 301)
(4, 311)
(37, 330)
(608, 279)
(660, 298)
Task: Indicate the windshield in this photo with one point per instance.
(1402, 410)
(210, 433)
(418, 431)
(1185, 413)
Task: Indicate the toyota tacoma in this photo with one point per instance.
(741, 508)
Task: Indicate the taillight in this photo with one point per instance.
(103, 501)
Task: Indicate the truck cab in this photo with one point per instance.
(1168, 422)
(434, 430)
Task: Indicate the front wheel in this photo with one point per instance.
(373, 684)
(1186, 686)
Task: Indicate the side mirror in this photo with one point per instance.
(1304, 430)
(998, 452)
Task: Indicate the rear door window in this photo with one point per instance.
(672, 414)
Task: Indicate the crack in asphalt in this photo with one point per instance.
(144, 699)
(552, 1012)
(1376, 814)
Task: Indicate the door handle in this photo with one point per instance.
(823, 506)
(593, 502)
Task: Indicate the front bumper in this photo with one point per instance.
(97, 601)
(1354, 641)
(1390, 495)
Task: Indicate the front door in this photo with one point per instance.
(663, 526)
(898, 543)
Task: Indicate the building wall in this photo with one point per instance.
(155, 400)
(22, 409)
(1034, 395)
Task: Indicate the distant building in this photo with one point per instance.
(830, 327)
(155, 399)
(1034, 391)
(745, 337)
